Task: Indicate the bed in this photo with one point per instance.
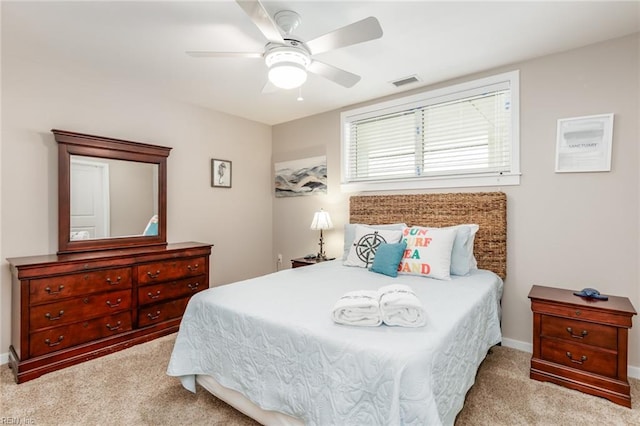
(268, 345)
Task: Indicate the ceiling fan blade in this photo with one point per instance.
(262, 20)
(342, 77)
(206, 54)
(358, 32)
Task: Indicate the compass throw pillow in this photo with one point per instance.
(366, 242)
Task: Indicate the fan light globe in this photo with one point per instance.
(287, 68)
(287, 75)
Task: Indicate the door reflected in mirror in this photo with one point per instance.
(112, 198)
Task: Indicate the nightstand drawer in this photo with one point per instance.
(582, 313)
(588, 333)
(581, 357)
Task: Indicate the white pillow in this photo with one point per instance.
(462, 259)
(428, 252)
(365, 243)
(350, 233)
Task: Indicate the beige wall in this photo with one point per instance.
(37, 98)
(566, 230)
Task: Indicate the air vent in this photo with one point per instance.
(406, 80)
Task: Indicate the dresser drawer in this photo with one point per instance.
(171, 290)
(170, 270)
(72, 310)
(50, 289)
(588, 333)
(57, 338)
(162, 312)
(581, 357)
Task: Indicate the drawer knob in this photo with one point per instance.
(117, 281)
(578, 313)
(193, 286)
(56, 343)
(50, 318)
(51, 292)
(582, 334)
(152, 275)
(154, 296)
(154, 317)
(114, 305)
(115, 327)
(193, 268)
(580, 361)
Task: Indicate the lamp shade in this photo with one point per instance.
(321, 220)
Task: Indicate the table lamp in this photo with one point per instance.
(321, 221)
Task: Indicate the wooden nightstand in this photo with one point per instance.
(303, 261)
(581, 343)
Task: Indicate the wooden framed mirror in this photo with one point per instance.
(112, 193)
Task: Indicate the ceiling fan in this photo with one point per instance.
(288, 58)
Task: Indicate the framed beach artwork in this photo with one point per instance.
(584, 144)
(220, 173)
(307, 176)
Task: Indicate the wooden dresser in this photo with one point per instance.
(70, 308)
(581, 343)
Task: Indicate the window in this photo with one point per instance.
(463, 135)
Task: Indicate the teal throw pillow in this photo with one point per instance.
(388, 257)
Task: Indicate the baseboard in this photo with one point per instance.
(516, 344)
(632, 371)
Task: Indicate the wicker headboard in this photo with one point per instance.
(487, 209)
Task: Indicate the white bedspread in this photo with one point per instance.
(272, 339)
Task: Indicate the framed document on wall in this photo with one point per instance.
(584, 144)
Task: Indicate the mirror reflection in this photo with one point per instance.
(112, 198)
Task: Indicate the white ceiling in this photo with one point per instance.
(143, 44)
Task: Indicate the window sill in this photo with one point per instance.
(432, 183)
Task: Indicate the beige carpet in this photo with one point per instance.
(131, 387)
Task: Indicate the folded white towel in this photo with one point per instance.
(359, 307)
(400, 306)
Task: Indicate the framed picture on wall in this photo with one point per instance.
(306, 176)
(584, 144)
(220, 173)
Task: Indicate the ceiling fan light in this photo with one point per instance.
(287, 75)
(287, 66)
(287, 54)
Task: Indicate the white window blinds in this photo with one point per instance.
(463, 133)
